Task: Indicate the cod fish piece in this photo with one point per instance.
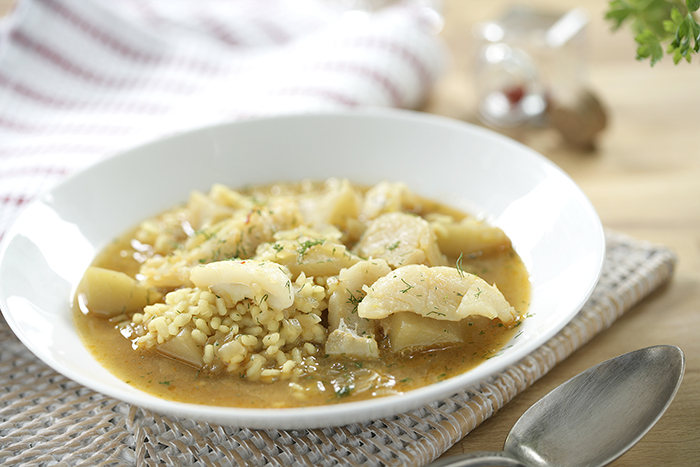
(348, 293)
(350, 335)
(440, 292)
(308, 251)
(238, 280)
(400, 239)
(234, 237)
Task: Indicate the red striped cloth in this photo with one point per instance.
(83, 79)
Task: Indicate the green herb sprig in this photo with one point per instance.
(659, 23)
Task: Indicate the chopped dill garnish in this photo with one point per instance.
(305, 245)
(459, 266)
(204, 233)
(408, 286)
(354, 300)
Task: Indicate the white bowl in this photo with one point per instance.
(551, 223)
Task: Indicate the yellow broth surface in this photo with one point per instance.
(335, 378)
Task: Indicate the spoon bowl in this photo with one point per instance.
(593, 418)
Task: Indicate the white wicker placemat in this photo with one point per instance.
(47, 419)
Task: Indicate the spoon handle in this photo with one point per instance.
(479, 459)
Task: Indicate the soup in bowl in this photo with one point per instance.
(283, 316)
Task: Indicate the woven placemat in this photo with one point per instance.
(47, 419)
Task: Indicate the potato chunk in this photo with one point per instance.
(400, 239)
(441, 292)
(346, 341)
(183, 348)
(110, 293)
(409, 331)
(468, 236)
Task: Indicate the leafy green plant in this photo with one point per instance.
(659, 23)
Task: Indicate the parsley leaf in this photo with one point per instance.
(656, 23)
(686, 40)
(649, 47)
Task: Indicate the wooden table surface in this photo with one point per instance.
(643, 179)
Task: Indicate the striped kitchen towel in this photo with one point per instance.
(83, 79)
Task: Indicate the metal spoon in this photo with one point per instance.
(593, 418)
